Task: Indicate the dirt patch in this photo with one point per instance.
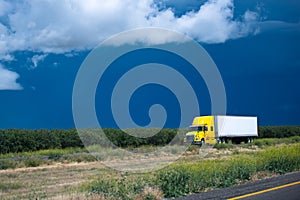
(48, 181)
(54, 165)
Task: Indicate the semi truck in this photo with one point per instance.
(221, 129)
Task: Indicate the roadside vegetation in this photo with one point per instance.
(77, 154)
(81, 177)
(184, 178)
(260, 142)
(44, 157)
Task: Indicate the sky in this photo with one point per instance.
(255, 45)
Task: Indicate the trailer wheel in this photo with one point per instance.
(223, 140)
(248, 140)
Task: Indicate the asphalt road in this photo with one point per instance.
(275, 188)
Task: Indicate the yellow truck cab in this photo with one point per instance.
(201, 131)
(220, 128)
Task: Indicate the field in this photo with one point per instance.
(73, 173)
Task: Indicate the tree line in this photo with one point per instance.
(278, 131)
(17, 140)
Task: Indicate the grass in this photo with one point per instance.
(71, 155)
(275, 141)
(279, 160)
(49, 182)
(125, 187)
(185, 178)
(69, 179)
(261, 142)
(44, 157)
(7, 164)
(48, 157)
(9, 186)
(191, 177)
(223, 146)
(50, 153)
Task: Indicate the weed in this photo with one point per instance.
(37, 195)
(183, 178)
(223, 146)
(174, 182)
(279, 160)
(151, 193)
(124, 187)
(79, 157)
(193, 148)
(33, 162)
(9, 186)
(6, 164)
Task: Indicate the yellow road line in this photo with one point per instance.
(263, 191)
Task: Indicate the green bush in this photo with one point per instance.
(278, 131)
(79, 157)
(33, 162)
(174, 182)
(185, 178)
(123, 187)
(6, 164)
(16, 140)
(54, 155)
(279, 160)
(275, 141)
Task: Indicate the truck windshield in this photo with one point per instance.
(196, 128)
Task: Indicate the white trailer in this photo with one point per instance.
(235, 128)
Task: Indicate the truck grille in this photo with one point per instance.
(190, 138)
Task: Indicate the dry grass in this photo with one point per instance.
(64, 180)
(57, 181)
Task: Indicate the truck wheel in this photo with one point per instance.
(202, 142)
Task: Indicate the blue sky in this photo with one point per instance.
(255, 45)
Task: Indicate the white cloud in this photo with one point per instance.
(5, 7)
(212, 23)
(64, 26)
(8, 80)
(38, 58)
(7, 57)
(278, 25)
(149, 36)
